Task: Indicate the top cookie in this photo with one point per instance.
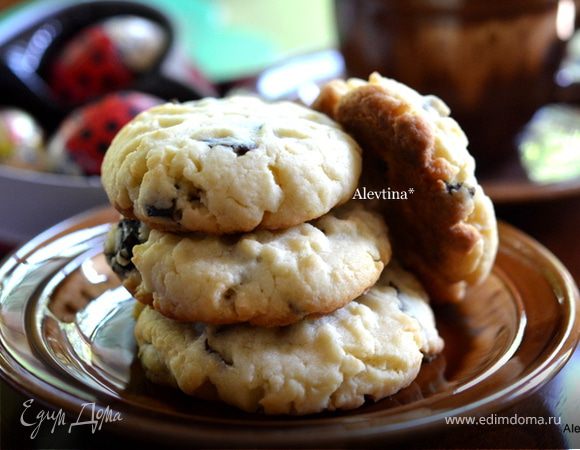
(229, 165)
(446, 230)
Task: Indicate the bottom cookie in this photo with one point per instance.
(370, 348)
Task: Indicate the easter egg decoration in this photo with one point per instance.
(80, 143)
(21, 140)
(105, 57)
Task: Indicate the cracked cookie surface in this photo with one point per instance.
(446, 230)
(369, 348)
(229, 165)
(266, 278)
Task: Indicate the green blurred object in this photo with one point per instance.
(229, 39)
(550, 144)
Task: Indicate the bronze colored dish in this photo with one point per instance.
(66, 338)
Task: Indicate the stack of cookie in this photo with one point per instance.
(262, 287)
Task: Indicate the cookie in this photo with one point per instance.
(230, 165)
(369, 349)
(118, 250)
(267, 278)
(446, 229)
(413, 301)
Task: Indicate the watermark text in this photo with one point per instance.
(362, 193)
(90, 415)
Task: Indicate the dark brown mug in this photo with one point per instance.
(492, 61)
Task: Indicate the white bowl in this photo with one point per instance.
(32, 201)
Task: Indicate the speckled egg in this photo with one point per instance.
(21, 140)
(80, 143)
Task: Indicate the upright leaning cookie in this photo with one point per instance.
(370, 348)
(266, 278)
(230, 165)
(446, 230)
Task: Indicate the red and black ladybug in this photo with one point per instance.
(80, 143)
(105, 57)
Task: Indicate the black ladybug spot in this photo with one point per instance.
(103, 147)
(84, 79)
(97, 57)
(86, 134)
(111, 126)
(108, 82)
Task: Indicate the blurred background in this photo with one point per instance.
(232, 39)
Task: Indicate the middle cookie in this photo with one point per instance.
(265, 278)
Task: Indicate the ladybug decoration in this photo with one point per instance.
(105, 57)
(80, 143)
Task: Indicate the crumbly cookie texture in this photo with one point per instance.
(230, 165)
(266, 278)
(370, 348)
(414, 301)
(446, 230)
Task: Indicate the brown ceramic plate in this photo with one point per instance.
(66, 339)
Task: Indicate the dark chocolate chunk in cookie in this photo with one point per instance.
(213, 351)
(170, 212)
(153, 211)
(128, 236)
(451, 188)
(239, 147)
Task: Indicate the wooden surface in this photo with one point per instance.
(556, 224)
